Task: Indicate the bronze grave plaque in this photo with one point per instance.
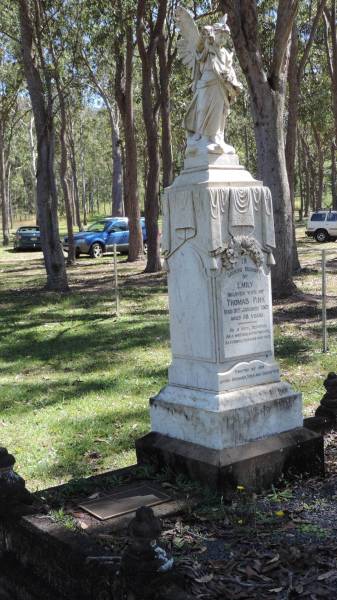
(125, 501)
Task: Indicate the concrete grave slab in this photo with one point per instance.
(41, 559)
(124, 502)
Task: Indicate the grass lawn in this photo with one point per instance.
(75, 380)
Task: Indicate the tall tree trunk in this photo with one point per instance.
(290, 150)
(267, 96)
(64, 169)
(293, 102)
(152, 181)
(91, 196)
(295, 75)
(76, 194)
(268, 115)
(313, 202)
(33, 163)
(117, 167)
(300, 177)
(83, 180)
(310, 178)
(116, 157)
(147, 56)
(124, 97)
(46, 189)
(320, 168)
(333, 176)
(166, 132)
(307, 192)
(331, 48)
(8, 192)
(3, 189)
(73, 163)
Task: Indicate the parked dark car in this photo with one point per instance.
(27, 238)
(102, 235)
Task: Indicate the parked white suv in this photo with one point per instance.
(322, 225)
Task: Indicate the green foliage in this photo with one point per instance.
(91, 29)
(62, 518)
(75, 382)
(280, 495)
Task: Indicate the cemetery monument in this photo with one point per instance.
(225, 413)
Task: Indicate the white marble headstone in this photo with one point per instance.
(224, 385)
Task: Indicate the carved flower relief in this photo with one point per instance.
(252, 248)
(240, 246)
(229, 257)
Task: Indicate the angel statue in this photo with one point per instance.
(215, 85)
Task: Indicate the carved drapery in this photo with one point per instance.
(179, 220)
(223, 222)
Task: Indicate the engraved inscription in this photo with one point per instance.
(254, 372)
(247, 310)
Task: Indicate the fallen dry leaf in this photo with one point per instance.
(204, 578)
(326, 575)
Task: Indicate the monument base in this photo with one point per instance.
(226, 420)
(256, 465)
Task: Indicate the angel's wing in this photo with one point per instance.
(190, 37)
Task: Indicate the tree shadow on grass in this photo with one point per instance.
(31, 266)
(293, 349)
(54, 317)
(81, 438)
(21, 398)
(91, 349)
(20, 301)
(152, 312)
(296, 312)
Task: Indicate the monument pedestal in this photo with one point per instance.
(224, 410)
(256, 465)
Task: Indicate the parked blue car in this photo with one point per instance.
(101, 236)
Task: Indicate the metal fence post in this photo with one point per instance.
(324, 323)
(116, 281)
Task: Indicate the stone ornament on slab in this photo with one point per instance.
(15, 500)
(144, 562)
(328, 405)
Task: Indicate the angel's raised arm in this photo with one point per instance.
(190, 37)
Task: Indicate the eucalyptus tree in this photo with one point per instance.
(34, 50)
(98, 30)
(167, 52)
(124, 53)
(303, 36)
(109, 57)
(150, 26)
(316, 124)
(266, 75)
(330, 38)
(63, 51)
(73, 163)
(10, 85)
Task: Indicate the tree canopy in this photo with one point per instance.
(113, 94)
